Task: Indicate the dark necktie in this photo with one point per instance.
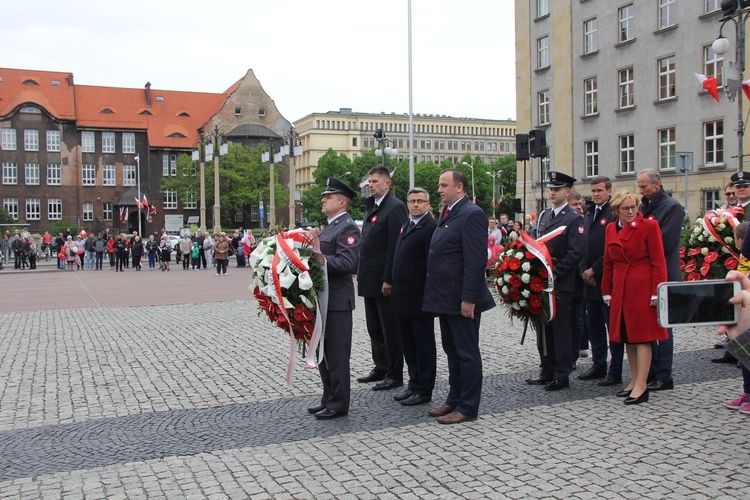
(410, 226)
(597, 212)
(446, 212)
(552, 214)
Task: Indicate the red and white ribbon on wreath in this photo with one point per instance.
(540, 251)
(712, 219)
(285, 253)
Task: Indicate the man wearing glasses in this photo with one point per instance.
(730, 193)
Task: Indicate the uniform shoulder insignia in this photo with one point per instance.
(351, 240)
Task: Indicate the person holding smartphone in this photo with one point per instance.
(633, 259)
(739, 334)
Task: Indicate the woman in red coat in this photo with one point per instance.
(634, 265)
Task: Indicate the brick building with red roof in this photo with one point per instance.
(77, 152)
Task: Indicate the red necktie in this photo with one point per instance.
(446, 212)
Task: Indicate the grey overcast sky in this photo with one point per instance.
(309, 55)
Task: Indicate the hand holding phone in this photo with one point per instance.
(742, 300)
(698, 303)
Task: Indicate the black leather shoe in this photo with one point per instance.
(386, 384)
(611, 380)
(315, 409)
(556, 385)
(636, 401)
(592, 375)
(373, 376)
(417, 399)
(538, 381)
(660, 385)
(624, 394)
(403, 395)
(327, 414)
(726, 358)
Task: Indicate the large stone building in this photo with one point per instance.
(77, 152)
(613, 86)
(436, 137)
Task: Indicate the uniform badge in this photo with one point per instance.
(580, 229)
(374, 218)
(402, 230)
(603, 222)
(650, 217)
(633, 224)
(350, 240)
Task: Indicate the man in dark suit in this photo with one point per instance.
(656, 204)
(339, 242)
(598, 215)
(456, 290)
(409, 274)
(382, 220)
(566, 251)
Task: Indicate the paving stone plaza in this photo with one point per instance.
(169, 385)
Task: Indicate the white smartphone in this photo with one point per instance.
(697, 303)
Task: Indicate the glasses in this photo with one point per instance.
(629, 209)
(729, 194)
(418, 202)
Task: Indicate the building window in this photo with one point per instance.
(107, 210)
(88, 211)
(542, 8)
(713, 65)
(170, 200)
(109, 177)
(191, 201)
(108, 142)
(53, 141)
(54, 208)
(626, 15)
(31, 174)
(542, 50)
(666, 68)
(11, 206)
(31, 140)
(9, 139)
(53, 174)
(591, 149)
(589, 36)
(667, 148)
(128, 175)
(88, 175)
(33, 209)
(88, 144)
(667, 13)
(168, 165)
(711, 200)
(354, 142)
(128, 142)
(713, 143)
(590, 98)
(543, 107)
(711, 6)
(10, 173)
(627, 154)
(626, 85)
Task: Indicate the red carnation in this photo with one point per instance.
(536, 285)
(731, 263)
(515, 295)
(693, 277)
(694, 251)
(515, 281)
(535, 301)
(514, 264)
(690, 266)
(682, 252)
(711, 256)
(504, 263)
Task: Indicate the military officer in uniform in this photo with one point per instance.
(566, 251)
(339, 242)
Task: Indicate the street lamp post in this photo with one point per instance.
(138, 175)
(294, 148)
(473, 193)
(198, 155)
(385, 147)
(272, 156)
(493, 192)
(735, 11)
(215, 150)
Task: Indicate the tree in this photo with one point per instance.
(336, 165)
(5, 217)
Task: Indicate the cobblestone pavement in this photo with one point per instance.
(109, 389)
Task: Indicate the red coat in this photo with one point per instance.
(634, 265)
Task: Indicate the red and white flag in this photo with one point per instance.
(152, 210)
(138, 202)
(746, 88)
(145, 202)
(247, 242)
(126, 213)
(122, 211)
(711, 85)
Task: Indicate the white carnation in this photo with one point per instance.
(499, 280)
(526, 293)
(505, 290)
(721, 227)
(525, 277)
(729, 240)
(519, 255)
(711, 239)
(704, 251)
(526, 266)
(700, 238)
(515, 306)
(523, 303)
(698, 230)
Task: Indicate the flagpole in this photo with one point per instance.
(138, 161)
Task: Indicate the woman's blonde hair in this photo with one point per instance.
(621, 197)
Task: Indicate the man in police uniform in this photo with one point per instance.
(741, 184)
(339, 242)
(566, 251)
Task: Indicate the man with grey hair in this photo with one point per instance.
(409, 276)
(657, 205)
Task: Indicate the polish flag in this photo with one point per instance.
(145, 202)
(710, 85)
(152, 210)
(122, 211)
(247, 242)
(126, 213)
(138, 202)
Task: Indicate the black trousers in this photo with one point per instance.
(335, 370)
(558, 334)
(418, 341)
(385, 338)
